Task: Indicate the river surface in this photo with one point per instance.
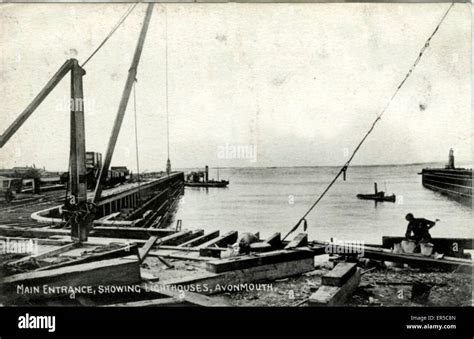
(272, 200)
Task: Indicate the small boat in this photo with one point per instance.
(210, 183)
(377, 196)
(201, 179)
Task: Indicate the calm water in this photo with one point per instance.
(260, 199)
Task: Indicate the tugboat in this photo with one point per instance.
(377, 196)
(455, 183)
(201, 179)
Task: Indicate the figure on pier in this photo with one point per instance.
(420, 228)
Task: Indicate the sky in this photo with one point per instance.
(263, 84)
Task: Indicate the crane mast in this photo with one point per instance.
(80, 211)
(132, 75)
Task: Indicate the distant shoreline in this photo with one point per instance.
(425, 164)
(436, 164)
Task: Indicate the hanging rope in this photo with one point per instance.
(122, 19)
(136, 138)
(379, 116)
(166, 84)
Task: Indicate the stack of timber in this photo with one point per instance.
(160, 262)
(268, 260)
(336, 286)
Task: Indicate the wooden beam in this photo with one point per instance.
(125, 251)
(175, 238)
(143, 252)
(53, 242)
(10, 131)
(31, 232)
(109, 216)
(418, 259)
(186, 296)
(339, 275)
(129, 232)
(211, 252)
(274, 240)
(80, 227)
(177, 256)
(119, 271)
(99, 231)
(184, 238)
(260, 247)
(298, 241)
(168, 301)
(224, 240)
(172, 239)
(247, 261)
(334, 295)
(214, 283)
(46, 254)
(201, 240)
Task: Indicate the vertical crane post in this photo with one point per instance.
(77, 155)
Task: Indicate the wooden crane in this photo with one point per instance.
(80, 210)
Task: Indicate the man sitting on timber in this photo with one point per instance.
(420, 228)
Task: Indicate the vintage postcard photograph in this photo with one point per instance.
(236, 154)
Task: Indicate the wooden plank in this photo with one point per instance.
(31, 232)
(172, 240)
(175, 238)
(260, 247)
(143, 251)
(109, 216)
(185, 238)
(224, 240)
(448, 263)
(201, 240)
(274, 240)
(129, 232)
(46, 254)
(339, 275)
(168, 301)
(334, 295)
(125, 251)
(40, 242)
(247, 261)
(177, 256)
(214, 283)
(212, 252)
(118, 271)
(98, 231)
(298, 241)
(187, 296)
